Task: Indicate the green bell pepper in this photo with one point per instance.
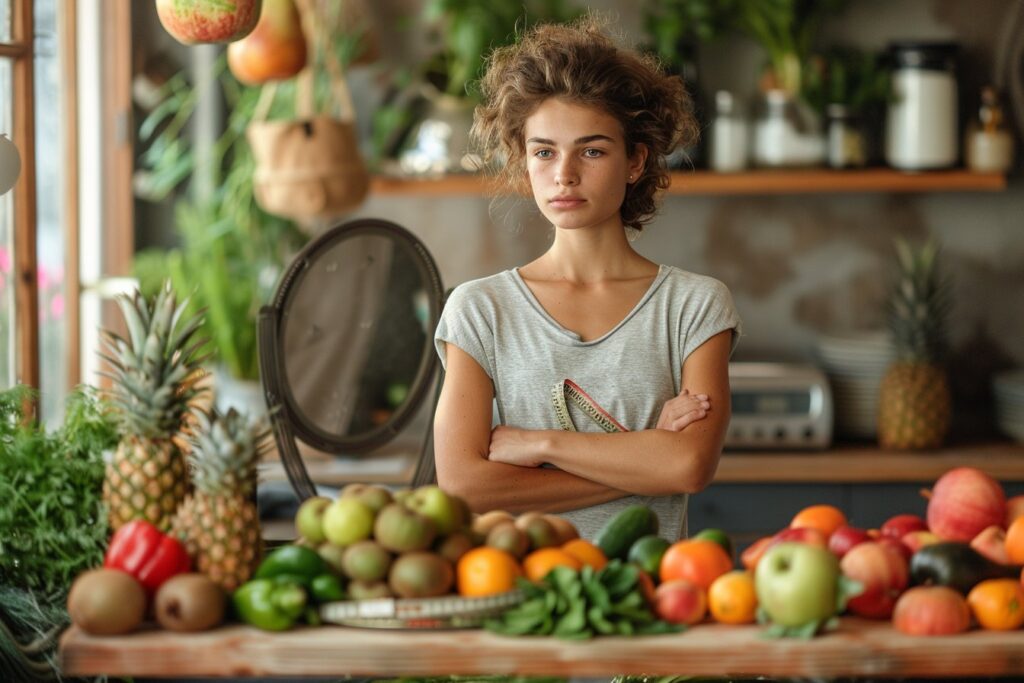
(268, 605)
(327, 588)
(294, 560)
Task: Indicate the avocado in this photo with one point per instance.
(956, 565)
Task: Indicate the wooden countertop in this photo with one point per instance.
(858, 648)
(869, 464)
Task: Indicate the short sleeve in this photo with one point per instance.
(465, 322)
(712, 312)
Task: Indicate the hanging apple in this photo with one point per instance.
(208, 21)
(276, 48)
(10, 164)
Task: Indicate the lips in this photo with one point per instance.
(566, 202)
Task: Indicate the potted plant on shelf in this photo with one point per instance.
(851, 88)
(787, 131)
(462, 32)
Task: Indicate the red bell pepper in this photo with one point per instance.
(143, 551)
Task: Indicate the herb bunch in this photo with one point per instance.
(52, 523)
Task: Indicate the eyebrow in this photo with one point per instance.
(578, 141)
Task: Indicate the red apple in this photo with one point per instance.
(752, 554)
(1014, 509)
(899, 547)
(964, 501)
(276, 48)
(882, 570)
(208, 21)
(916, 540)
(991, 542)
(901, 525)
(931, 611)
(680, 602)
(846, 537)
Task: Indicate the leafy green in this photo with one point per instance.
(577, 605)
(848, 76)
(53, 522)
(670, 23)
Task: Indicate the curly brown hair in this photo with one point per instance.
(582, 63)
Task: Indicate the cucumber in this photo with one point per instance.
(621, 531)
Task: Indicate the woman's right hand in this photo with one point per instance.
(683, 410)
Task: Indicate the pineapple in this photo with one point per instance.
(914, 404)
(154, 374)
(219, 522)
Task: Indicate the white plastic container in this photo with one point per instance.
(729, 135)
(921, 123)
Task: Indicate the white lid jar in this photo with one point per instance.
(921, 122)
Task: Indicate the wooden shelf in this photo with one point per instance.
(869, 464)
(858, 648)
(806, 181)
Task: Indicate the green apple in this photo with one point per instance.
(430, 501)
(797, 585)
(347, 520)
(376, 497)
(309, 520)
(401, 530)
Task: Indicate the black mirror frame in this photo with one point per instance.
(287, 421)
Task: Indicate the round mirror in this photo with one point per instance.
(346, 346)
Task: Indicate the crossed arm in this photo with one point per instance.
(499, 469)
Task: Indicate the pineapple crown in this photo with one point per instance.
(154, 371)
(919, 303)
(226, 448)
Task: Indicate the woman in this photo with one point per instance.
(591, 335)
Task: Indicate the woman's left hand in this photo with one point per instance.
(514, 446)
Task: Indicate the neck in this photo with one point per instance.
(591, 255)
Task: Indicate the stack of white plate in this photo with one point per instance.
(1008, 387)
(855, 364)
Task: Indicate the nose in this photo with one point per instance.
(566, 173)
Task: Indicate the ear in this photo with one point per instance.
(637, 160)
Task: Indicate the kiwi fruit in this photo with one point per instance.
(106, 602)
(189, 602)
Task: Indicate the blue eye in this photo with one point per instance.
(593, 153)
(542, 154)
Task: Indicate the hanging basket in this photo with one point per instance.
(309, 168)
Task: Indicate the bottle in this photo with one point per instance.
(846, 139)
(728, 135)
(921, 121)
(988, 143)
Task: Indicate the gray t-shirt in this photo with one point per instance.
(630, 372)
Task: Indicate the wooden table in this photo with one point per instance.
(858, 648)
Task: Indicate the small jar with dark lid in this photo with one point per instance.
(921, 123)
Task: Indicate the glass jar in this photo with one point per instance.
(787, 132)
(728, 135)
(846, 145)
(921, 121)
(988, 143)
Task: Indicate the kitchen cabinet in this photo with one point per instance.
(804, 181)
(858, 648)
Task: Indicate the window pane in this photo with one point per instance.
(5, 20)
(7, 360)
(50, 207)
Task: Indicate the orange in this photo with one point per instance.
(538, 563)
(732, 599)
(697, 560)
(998, 604)
(586, 552)
(486, 571)
(1015, 541)
(824, 518)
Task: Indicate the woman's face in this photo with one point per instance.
(577, 163)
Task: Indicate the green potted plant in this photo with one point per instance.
(462, 33)
(229, 252)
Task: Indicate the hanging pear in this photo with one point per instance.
(275, 50)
